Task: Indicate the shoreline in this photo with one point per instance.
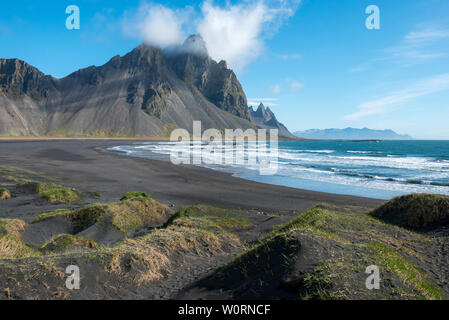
(88, 166)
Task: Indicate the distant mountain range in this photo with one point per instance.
(147, 92)
(265, 118)
(351, 134)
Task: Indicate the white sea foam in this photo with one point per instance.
(364, 169)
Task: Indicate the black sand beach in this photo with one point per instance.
(87, 166)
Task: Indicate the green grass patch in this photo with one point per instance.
(52, 192)
(135, 195)
(226, 219)
(52, 214)
(406, 270)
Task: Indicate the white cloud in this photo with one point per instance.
(234, 32)
(428, 86)
(156, 25)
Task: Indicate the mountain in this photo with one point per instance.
(351, 134)
(147, 92)
(265, 118)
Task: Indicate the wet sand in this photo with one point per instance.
(88, 166)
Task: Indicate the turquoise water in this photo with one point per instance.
(372, 169)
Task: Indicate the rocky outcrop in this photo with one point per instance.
(265, 118)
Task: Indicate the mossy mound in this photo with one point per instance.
(223, 218)
(135, 195)
(87, 216)
(5, 194)
(52, 192)
(65, 242)
(416, 211)
(136, 213)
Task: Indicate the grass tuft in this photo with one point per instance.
(5, 194)
(64, 242)
(49, 215)
(135, 195)
(52, 192)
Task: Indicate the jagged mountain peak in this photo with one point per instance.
(266, 119)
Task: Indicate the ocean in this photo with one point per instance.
(382, 169)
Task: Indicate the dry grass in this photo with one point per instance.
(11, 245)
(5, 194)
(151, 256)
(63, 242)
(12, 227)
(12, 248)
(150, 263)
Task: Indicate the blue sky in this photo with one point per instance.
(313, 61)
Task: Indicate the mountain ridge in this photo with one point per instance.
(351, 134)
(146, 92)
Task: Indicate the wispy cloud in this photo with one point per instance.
(289, 56)
(276, 89)
(296, 85)
(382, 105)
(415, 47)
(268, 102)
(418, 46)
(288, 84)
(426, 36)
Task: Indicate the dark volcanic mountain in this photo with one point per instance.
(147, 92)
(265, 118)
(351, 134)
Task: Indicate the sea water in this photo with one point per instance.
(375, 169)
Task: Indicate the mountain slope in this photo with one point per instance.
(266, 119)
(147, 92)
(351, 134)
